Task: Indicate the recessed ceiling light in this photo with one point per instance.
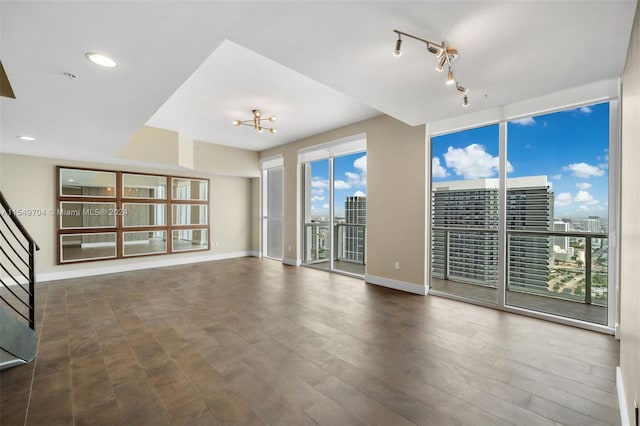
(27, 138)
(100, 59)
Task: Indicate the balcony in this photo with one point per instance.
(348, 247)
(560, 273)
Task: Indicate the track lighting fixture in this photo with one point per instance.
(256, 122)
(445, 55)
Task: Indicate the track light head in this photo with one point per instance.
(450, 78)
(462, 89)
(398, 52)
(237, 122)
(433, 49)
(443, 60)
(465, 101)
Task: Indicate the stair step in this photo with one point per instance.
(17, 341)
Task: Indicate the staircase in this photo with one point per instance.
(17, 290)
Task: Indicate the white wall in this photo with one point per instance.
(630, 227)
(30, 183)
(396, 189)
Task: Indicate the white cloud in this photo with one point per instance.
(590, 207)
(361, 163)
(583, 185)
(527, 121)
(473, 162)
(359, 194)
(353, 178)
(585, 110)
(585, 197)
(584, 170)
(340, 184)
(319, 183)
(357, 178)
(437, 171)
(563, 199)
(557, 177)
(325, 206)
(317, 198)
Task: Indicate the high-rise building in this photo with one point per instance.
(353, 236)
(562, 242)
(592, 224)
(465, 231)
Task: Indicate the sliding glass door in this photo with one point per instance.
(272, 212)
(557, 213)
(520, 214)
(464, 227)
(350, 212)
(335, 213)
(317, 214)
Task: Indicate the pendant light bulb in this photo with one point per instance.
(450, 79)
(398, 52)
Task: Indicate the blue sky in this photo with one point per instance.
(350, 178)
(569, 147)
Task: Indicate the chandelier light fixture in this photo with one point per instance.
(256, 122)
(445, 55)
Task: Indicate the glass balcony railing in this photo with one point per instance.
(348, 245)
(317, 243)
(572, 266)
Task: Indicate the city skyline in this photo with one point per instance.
(569, 147)
(350, 179)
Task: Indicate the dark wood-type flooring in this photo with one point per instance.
(250, 341)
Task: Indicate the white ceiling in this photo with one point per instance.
(196, 66)
(233, 81)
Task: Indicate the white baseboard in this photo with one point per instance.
(624, 411)
(292, 262)
(147, 264)
(397, 285)
(255, 254)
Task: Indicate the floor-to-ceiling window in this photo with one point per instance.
(464, 237)
(557, 213)
(272, 208)
(520, 213)
(335, 206)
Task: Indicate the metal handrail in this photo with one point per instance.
(30, 263)
(16, 221)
